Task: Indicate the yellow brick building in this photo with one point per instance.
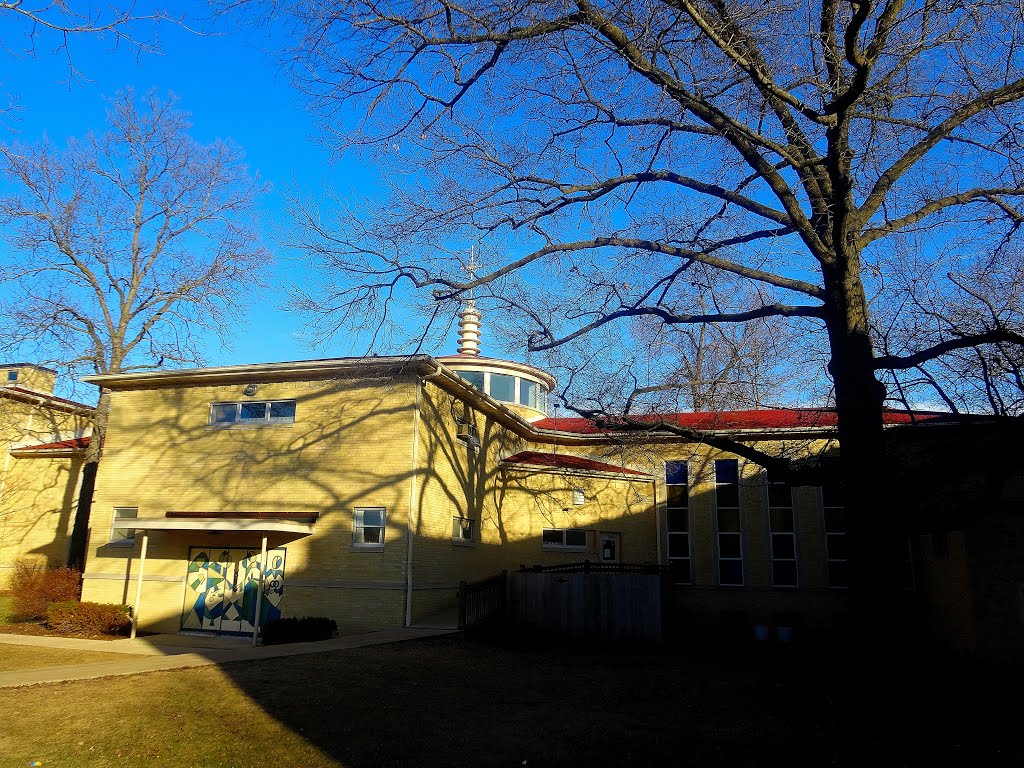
(366, 489)
(43, 439)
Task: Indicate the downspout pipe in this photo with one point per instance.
(410, 526)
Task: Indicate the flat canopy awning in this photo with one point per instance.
(252, 524)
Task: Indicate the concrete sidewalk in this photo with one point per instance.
(161, 652)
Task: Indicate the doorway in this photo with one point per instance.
(221, 587)
(610, 546)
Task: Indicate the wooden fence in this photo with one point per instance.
(616, 604)
(482, 607)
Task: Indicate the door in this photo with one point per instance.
(610, 546)
(221, 588)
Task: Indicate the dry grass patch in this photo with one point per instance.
(16, 657)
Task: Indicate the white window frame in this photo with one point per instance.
(358, 525)
(563, 547)
(830, 534)
(517, 392)
(127, 538)
(240, 422)
(463, 525)
(719, 533)
(670, 532)
(578, 497)
(772, 533)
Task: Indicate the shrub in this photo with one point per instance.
(33, 588)
(298, 630)
(74, 618)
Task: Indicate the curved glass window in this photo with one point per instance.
(503, 387)
(528, 393)
(476, 378)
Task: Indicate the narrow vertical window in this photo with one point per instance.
(677, 485)
(836, 543)
(728, 528)
(782, 533)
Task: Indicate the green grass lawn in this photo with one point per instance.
(443, 702)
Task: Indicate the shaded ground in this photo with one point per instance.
(447, 703)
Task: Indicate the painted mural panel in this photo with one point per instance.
(222, 585)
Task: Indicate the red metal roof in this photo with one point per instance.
(75, 444)
(563, 461)
(728, 420)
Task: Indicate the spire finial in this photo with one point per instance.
(469, 317)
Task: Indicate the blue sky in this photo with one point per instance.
(233, 89)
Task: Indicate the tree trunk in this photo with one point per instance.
(80, 531)
(875, 524)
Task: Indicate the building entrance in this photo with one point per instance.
(221, 588)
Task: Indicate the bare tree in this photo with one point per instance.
(127, 246)
(614, 145)
(56, 22)
(720, 366)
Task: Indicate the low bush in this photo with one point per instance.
(298, 630)
(33, 588)
(74, 618)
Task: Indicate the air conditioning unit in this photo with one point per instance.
(467, 434)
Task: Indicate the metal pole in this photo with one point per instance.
(138, 583)
(259, 592)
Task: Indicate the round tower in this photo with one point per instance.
(520, 387)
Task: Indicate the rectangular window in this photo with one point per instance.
(567, 539)
(119, 535)
(12, 375)
(836, 543)
(677, 486)
(476, 378)
(462, 530)
(368, 528)
(728, 529)
(528, 393)
(782, 533)
(503, 387)
(253, 412)
(578, 497)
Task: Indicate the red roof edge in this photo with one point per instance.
(75, 444)
(773, 418)
(565, 461)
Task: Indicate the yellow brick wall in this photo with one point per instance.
(452, 481)
(350, 446)
(38, 496)
(510, 508)
(29, 377)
